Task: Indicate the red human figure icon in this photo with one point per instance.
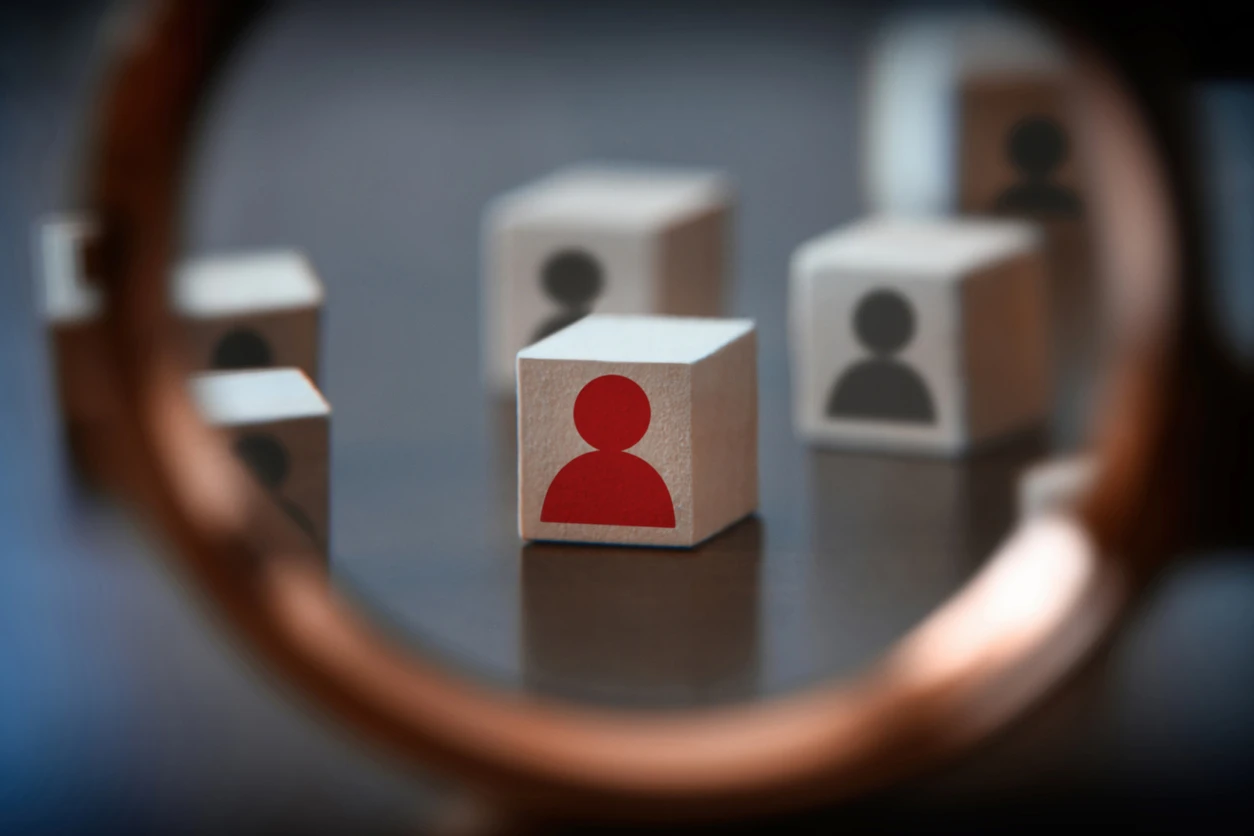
(609, 486)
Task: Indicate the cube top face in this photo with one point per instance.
(252, 283)
(882, 336)
(921, 249)
(623, 199)
(609, 338)
(637, 430)
(262, 396)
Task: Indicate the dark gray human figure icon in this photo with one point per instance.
(242, 348)
(268, 460)
(1036, 146)
(881, 388)
(573, 279)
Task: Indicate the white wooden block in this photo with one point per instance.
(1055, 485)
(919, 67)
(245, 310)
(923, 336)
(278, 423)
(66, 297)
(599, 238)
(70, 309)
(251, 310)
(638, 430)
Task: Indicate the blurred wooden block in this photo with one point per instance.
(239, 311)
(278, 423)
(638, 430)
(1017, 155)
(918, 336)
(940, 102)
(1055, 485)
(252, 310)
(969, 112)
(605, 239)
(70, 308)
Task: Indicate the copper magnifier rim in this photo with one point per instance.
(1040, 606)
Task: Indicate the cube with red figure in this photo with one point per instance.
(638, 430)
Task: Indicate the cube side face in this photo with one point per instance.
(692, 264)
(614, 272)
(548, 441)
(1006, 347)
(270, 339)
(301, 484)
(838, 379)
(725, 437)
(990, 180)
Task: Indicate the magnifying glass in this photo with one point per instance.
(1167, 432)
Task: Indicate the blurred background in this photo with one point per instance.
(371, 137)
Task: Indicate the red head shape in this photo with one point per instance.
(612, 412)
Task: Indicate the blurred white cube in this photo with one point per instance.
(924, 336)
(609, 239)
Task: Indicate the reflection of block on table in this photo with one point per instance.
(251, 310)
(653, 627)
(610, 239)
(1055, 485)
(638, 430)
(918, 336)
(278, 424)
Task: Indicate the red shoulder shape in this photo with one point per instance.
(609, 488)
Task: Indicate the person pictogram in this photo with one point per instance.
(609, 486)
(1036, 146)
(242, 348)
(882, 388)
(573, 279)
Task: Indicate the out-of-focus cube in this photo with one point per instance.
(250, 310)
(918, 336)
(604, 239)
(971, 113)
(237, 311)
(638, 429)
(279, 426)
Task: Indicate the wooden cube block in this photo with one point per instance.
(638, 430)
(1055, 485)
(278, 423)
(605, 239)
(918, 336)
(70, 306)
(67, 297)
(252, 310)
(944, 94)
(248, 310)
(971, 113)
(1017, 158)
